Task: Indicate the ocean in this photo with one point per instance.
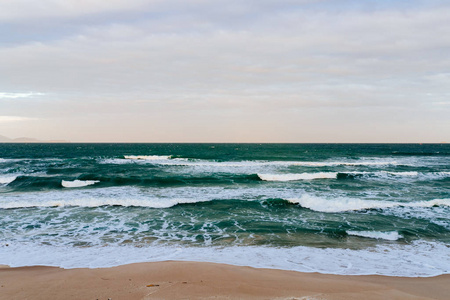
(330, 208)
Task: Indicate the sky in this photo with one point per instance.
(225, 71)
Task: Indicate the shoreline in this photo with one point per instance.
(204, 280)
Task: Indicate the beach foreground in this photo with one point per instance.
(199, 280)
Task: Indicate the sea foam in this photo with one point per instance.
(367, 175)
(98, 202)
(78, 183)
(419, 259)
(171, 160)
(351, 204)
(7, 179)
(390, 236)
(147, 157)
(301, 176)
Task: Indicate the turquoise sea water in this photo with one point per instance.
(333, 208)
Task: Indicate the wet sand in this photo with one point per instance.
(198, 280)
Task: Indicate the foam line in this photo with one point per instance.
(390, 236)
(301, 176)
(351, 204)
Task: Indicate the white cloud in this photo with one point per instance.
(322, 56)
(26, 10)
(19, 95)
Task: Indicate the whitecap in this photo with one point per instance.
(343, 163)
(7, 179)
(103, 201)
(407, 174)
(147, 157)
(435, 175)
(301, 176)
(342, 204)
(78, 183)
(390, 235)
(175, 161)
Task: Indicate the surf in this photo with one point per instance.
(78, 183)
(341, 204)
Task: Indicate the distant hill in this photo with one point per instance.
(4, 139)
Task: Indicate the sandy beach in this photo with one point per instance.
(198, 280)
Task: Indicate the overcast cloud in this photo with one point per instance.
(225, 71)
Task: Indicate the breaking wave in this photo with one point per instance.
(7, 179)
(302, 176)
(177, 161)
(148, 157)
(315, 203)
(390, 236)
(78, 183)
(349, 204)
(351, 175)
(102, 201)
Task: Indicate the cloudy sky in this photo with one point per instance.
(225, 70)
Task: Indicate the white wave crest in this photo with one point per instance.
(170, 160)
(200, 162)
(437, 175)
(134, 196)
(414, 175)
(351, 204)
(343, 163)
(98, 202)
(78, 183)
(333, 175)
(7, 179)
(390, 235)
(302, 176)
(408, 174)
(147, 157)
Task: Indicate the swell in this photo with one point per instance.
(143, 179)
(24, 183)
(169, 180)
